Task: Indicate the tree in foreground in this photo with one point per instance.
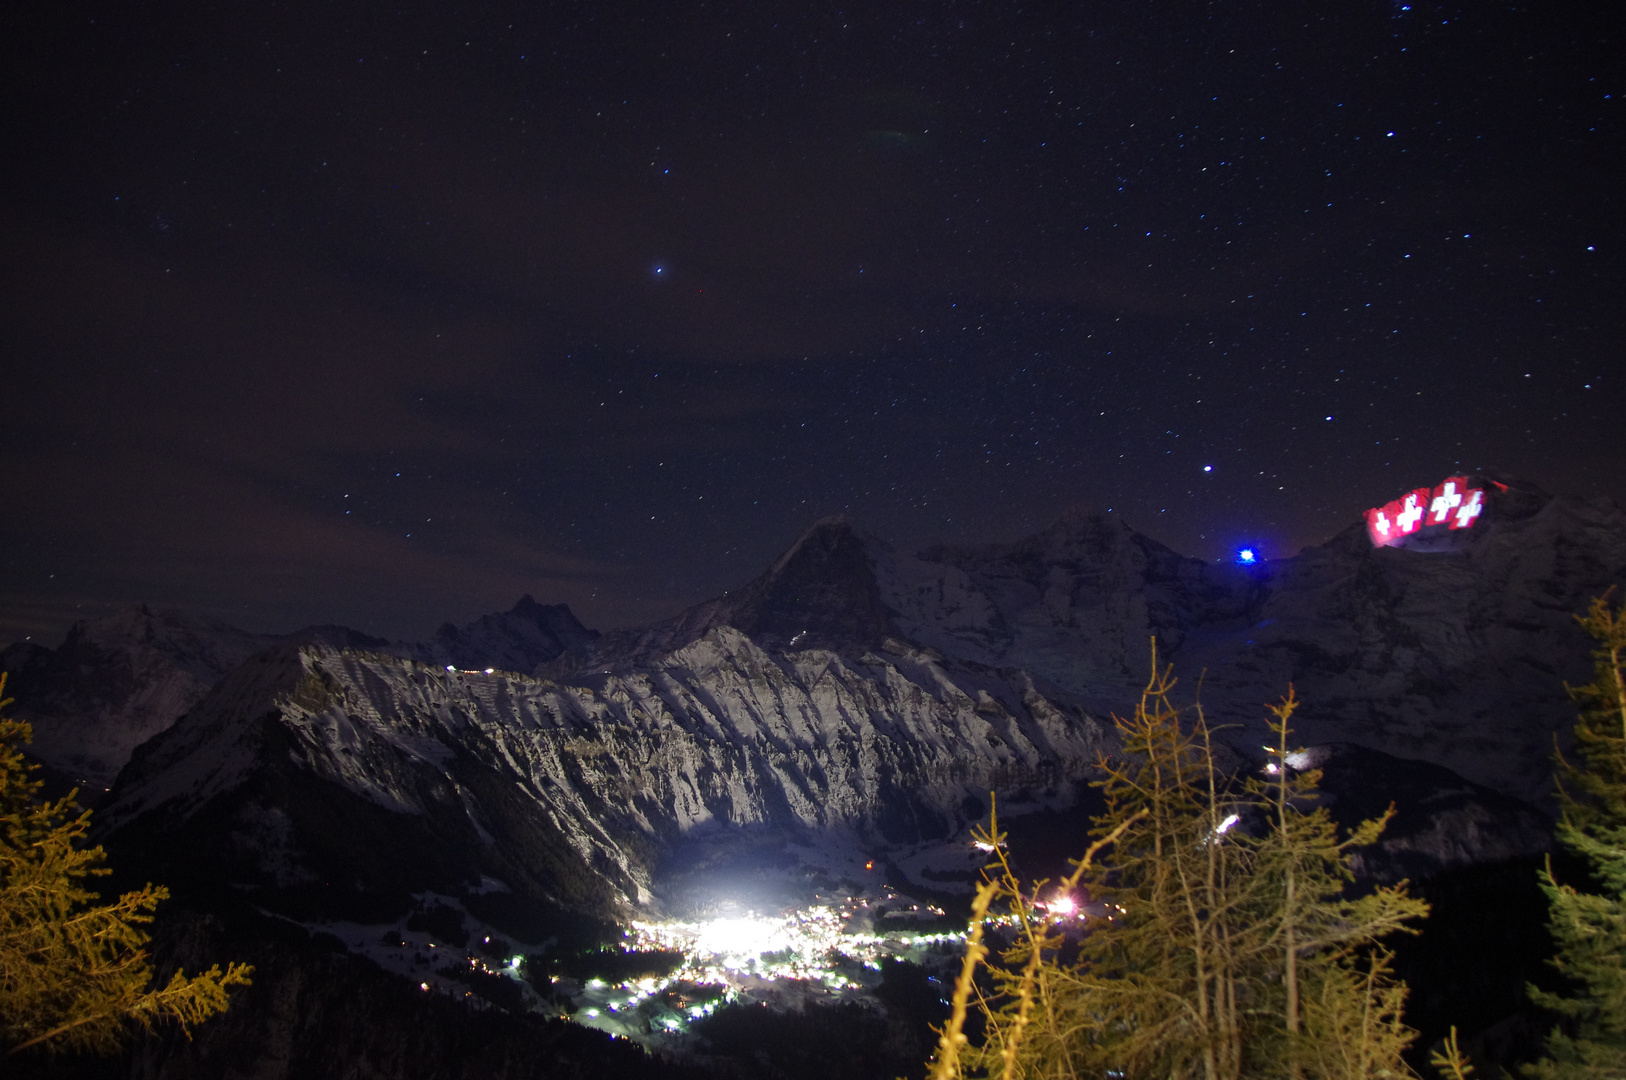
(1226, 947)
(1589, 927)
(74, 972)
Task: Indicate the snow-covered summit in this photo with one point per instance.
(822, 592)
(519, 639)
(116, 681)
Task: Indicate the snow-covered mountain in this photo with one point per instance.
(117, 681)
(310, 765)
(519, 639)
(1454, 653)
(854, 704)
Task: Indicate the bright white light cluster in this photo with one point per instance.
(804, 944)
(801, 955)
(808, 949)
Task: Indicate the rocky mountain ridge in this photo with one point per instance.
(856, 704)
(579, 793)
(118, 680)
(1454, 650)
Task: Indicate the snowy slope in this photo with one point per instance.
(1455, 655)
(855, 704)
(612, 772)
(117, 681)
(1454, 652)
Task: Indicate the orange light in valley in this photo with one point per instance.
(870, 865)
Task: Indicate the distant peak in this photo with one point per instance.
(1081, 524)
(827, 529)
(824, 535)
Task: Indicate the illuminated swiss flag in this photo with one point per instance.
(1469, 510)
(1380, 526)
(1452, 504)
(1411, 514)
(1447, 498)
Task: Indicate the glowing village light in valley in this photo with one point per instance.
(807, 954)
(1062, 906)
(744, 937)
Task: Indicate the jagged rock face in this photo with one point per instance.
(117, 681)
(515, 640)
(1457, 655)
(1441, 823)
(1455, 651)
(1078, 604)
(573, 792)
(855, 691)
(1458, 658)
(823, 593)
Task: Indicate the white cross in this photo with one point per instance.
(1469, 511)
(1446, 501)
(1381, 524)
(1409, 515)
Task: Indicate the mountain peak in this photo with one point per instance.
(824, 534)
(519, 639)
(822, 592)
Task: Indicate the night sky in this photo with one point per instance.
(387, 314)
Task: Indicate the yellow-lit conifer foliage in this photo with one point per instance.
(1223, 945)
(74, 971)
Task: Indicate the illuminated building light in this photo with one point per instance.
(1452, 504)
(1247, 556)
(1063, 906)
